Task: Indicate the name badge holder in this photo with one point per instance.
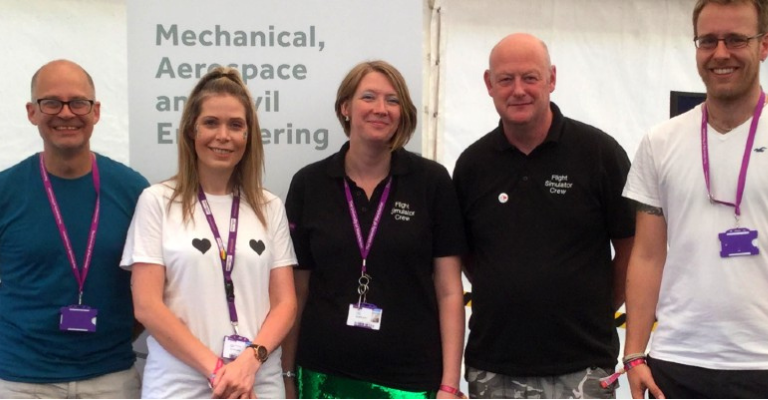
(76, 317)
(234, 344)
(363, 314)
(739, 241)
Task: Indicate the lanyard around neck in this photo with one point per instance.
(365, 248)
(80, 275)
(744, 160)
(226, 255)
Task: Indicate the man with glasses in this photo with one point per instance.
(700, 260)
(66, 315)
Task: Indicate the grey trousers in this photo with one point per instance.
(117, 385)
(584, 384)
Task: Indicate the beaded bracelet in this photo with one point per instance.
(633, 356)
(289, 374)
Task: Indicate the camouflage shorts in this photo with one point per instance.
(583, 384)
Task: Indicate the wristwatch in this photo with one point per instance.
(259, 352)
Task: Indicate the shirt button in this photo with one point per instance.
(525, 178)
(364, 209)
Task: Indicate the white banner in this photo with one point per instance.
(292, 55)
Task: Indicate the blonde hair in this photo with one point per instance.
(248, 172)
(408, 116)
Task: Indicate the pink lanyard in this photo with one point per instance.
(80, 277)
(744, 160)
(366, 248)
(227, 256)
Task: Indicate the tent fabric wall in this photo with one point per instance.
(616, 62)
(89, 32)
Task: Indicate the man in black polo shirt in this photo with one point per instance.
(541, 198)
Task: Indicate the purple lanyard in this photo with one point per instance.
(744, 160)
(366, 248)
(227, 256)
(80, 277)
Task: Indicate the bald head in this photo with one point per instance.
(523, 44)
(520, 78)
(58, 66)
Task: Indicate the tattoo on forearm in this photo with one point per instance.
(648, 209)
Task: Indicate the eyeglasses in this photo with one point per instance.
(732, 41)
(54, 107)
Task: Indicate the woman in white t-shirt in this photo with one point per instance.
(209, 251)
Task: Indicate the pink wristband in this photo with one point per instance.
(608, 380)
(633, 363)
(452, 390)
(219, 364)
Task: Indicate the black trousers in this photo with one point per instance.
(682, 381)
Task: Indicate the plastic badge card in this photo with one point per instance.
(233, 346)
(78, 318)
(364, 315)
(738, 242)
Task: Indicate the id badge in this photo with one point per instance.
(366, 316)
(233, 346)
(78, 318)
(738, 242)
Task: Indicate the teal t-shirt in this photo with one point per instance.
(36, 278)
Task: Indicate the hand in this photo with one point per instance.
(640, 379)
(235, 380)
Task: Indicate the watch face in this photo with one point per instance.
(262, 352)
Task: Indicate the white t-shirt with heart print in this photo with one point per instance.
(194, 288)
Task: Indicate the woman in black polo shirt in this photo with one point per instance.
(378, 234)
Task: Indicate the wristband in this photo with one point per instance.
(452, 390)
(631, 363)
(219, 364)
(634, 363)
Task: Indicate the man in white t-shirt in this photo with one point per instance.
(700, 259)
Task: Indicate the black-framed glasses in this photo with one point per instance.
(54, 106)
(732, 41)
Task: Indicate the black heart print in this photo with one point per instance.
(201, 244)
(257, 246)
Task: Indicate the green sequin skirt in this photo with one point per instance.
(316, 385)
